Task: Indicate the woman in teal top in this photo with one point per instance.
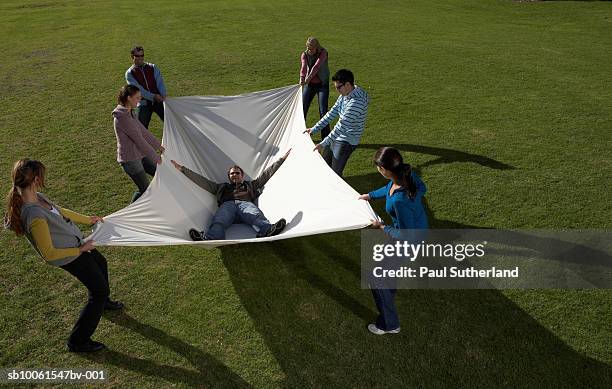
(404, 203)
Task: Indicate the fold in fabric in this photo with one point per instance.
(208, 134)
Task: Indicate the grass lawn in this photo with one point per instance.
(504, 107)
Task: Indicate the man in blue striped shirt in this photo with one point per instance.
(352, 110)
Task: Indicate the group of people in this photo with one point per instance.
(52, 231)
(351, 107)
(404, 191)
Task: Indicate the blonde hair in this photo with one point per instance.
(312, 41)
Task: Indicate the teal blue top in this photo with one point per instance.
(405, 212)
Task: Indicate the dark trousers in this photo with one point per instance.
(138, 170)
(308, 94)
(337, 155)
(387, 313)
(146, 109)
(89, 268)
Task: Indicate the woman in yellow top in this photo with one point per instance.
(53, 234)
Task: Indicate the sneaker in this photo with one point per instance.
(277, 227)
(377, 331)
(195, 235)
(90, 347)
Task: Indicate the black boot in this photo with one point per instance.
(89, 347)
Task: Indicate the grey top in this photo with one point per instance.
(64, 233)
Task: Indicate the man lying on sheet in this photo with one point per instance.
(235, 200)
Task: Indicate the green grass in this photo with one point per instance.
(503, 106)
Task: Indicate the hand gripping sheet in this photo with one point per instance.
(208, 134)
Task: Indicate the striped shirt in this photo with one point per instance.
(352, 111)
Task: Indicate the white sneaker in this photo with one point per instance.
(377, 331)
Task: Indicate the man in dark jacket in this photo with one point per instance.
(147, 77)
(236, 202)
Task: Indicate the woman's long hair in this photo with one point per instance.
(390, 159)
(24, 173)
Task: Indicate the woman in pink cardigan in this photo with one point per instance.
(136, 146)
(314, 77)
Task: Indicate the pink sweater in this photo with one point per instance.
(314, 72)
(134, 141)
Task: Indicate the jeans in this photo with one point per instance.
(337, 155)
(322, 90)
(138, 170)
(237, 211)
(387, 319)
(89, 268)
(146, 109)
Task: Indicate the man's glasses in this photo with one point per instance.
(339, 86)
(234, 173)
(138, 55)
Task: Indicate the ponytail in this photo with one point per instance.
(12, 219)
(404, 176)
(24, 173)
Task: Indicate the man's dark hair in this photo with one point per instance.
(344, 76)
(234, 167)
(136, 49)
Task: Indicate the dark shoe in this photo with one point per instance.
(90, 347)
(277, 227)
(195, 235)
(111, 305)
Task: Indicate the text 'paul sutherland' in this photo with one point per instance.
(444, 272)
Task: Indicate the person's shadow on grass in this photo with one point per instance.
(444, 155)
(306, 301)
(210, 372)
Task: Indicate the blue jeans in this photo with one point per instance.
(237, 211)
(387, 319)
(138, 170)
(337, 155)
(146, 109)
(322, 90)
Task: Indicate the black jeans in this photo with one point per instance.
(138, 170)
(146, 109)
(89, 268)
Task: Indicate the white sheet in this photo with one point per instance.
(208, 134)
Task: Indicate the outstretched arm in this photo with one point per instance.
(260, 181)
(379, 193)
(199, 180)
(80, 218)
